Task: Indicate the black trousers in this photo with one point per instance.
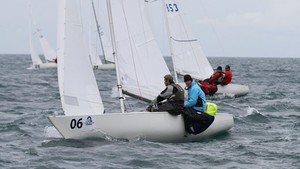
(172, 107)
(194, 122)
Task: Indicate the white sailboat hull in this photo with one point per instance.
(232, 90)
(43, 66)
(151, 126)
(235, 90)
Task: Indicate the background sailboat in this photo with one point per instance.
(49, 52)
(94, 52)
(84, 117)
(188, 56)
(97, 35)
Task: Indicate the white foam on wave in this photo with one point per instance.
(114, 92)
(50, 131)
(251, 110)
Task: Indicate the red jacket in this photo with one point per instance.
(214, 78)
(227, 78)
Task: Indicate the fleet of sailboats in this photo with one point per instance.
(133, 45)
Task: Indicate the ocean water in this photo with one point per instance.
(266, 133)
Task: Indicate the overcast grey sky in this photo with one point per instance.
(239, 28)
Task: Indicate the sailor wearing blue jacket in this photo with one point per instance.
(196, 97)
(195, 118)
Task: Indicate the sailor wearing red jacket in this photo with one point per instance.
(217, 77)
(227, 76)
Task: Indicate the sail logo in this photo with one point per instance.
(89, 121)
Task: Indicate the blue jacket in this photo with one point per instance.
(195, 94)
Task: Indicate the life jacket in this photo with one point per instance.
(227, 77)
(179, 93)
(221, 77)
(211, 109)
(216, 78)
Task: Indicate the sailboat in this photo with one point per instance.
(187, 54)
(84, 115)
(49, 53)
(106, 49)
(94, 53)
(36, 61)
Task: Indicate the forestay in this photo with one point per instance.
(141, 64)
(78, 88)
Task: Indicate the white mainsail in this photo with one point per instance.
(186, 51)
(36, 60)
(78, 88)
(94, 52)
(49, 52)
(141, 64)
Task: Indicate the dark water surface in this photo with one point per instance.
(266, 133)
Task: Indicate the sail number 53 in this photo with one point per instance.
(172, 7)
(76, 123)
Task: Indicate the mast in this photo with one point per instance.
(98, 30)
(111, 26)
(164, 5)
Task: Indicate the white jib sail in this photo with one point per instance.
(188, 55)
(34, 56)
(77, 83)
(108, 51)
(141, 64)
(94, 52)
